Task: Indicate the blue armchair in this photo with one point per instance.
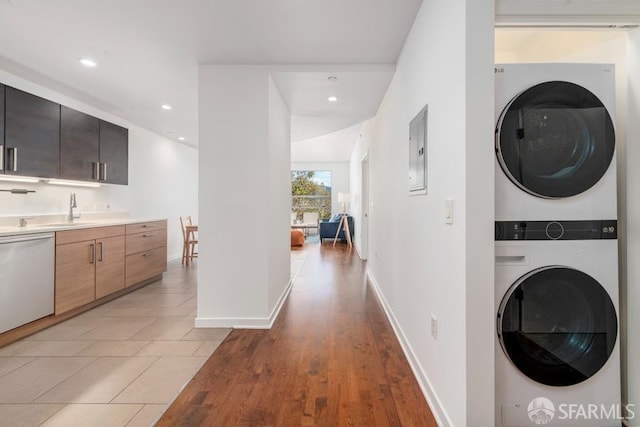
(328, 228)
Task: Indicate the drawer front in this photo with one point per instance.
(141, 227)
(141, 242)
(145, 265)
(83, 234)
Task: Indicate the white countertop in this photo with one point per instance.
(62, 226)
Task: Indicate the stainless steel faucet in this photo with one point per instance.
(72, 205)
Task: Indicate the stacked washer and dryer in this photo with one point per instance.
(556, 290)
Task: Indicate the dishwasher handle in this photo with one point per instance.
(26, 238)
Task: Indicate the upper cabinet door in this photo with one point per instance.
(32, 135)
(114, 154)
(79, 145)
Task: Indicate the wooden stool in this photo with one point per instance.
(189, 239)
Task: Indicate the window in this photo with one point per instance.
(311, 192)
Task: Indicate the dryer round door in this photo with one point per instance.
(557, 325)
(555, 140)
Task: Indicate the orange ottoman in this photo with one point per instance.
(297, 238)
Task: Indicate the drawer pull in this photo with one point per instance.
(145, 225)
(147, 235)
(148, 254)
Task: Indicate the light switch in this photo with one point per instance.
(448, 211)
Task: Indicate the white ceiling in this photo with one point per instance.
(359, 88)
(334, 147)
(148, 52)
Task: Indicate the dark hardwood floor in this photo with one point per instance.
(331, 359)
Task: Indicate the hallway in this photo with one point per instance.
(331, 359)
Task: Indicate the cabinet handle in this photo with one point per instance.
(145, 225)
(147, 235)
(103, 171)
(93, 253)
(14, 159)
(148, 254)
(1, 157)
(95, 174)
(101, 250)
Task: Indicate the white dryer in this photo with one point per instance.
(555, 142)
(557, 351)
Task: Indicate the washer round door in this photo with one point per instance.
(557, 325)
(555, 140)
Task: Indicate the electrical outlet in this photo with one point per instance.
(434, 327)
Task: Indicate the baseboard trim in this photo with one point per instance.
(283, 297)
(355, 245)
(246, 322)
(174, 257)
(423, 381)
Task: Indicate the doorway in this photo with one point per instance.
(364, 203)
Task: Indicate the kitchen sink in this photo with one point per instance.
(61, 224)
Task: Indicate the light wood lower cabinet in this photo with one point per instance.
(92, 263)
(89, 265)
(146, 251)
(75, 275)
(145, 265)
(109, 265)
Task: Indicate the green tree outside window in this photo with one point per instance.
(311, 193)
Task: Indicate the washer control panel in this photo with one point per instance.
(556, 230)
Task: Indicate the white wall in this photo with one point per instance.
(419, 264)
(339, 179)
(162, 177)
(279, 196)
(163, 182)
(243, 195)
(479, 213)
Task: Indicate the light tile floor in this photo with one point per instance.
(120, 364)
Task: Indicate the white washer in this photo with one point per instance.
(557, 323)
(555, 142)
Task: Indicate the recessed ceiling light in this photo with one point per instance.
(332, 78)
(87, 62)
(332, 98)
(181, 138)
(166, 107)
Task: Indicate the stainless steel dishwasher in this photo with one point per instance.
(26, 278)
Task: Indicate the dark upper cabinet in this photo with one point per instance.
(44, 139)
(114, 153)
(32, 135)
(79, 145)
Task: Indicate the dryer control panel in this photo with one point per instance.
(556, 230)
